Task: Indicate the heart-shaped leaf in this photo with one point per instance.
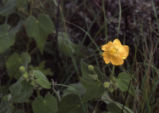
(70, 104)
(39, 29)
(15, 61)
(48, 104)
(7, 37)
(21, 91)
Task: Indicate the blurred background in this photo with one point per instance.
(51, 62)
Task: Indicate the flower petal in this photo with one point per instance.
(117, 42)
(106, 47)
(125, 55)
(106, 57)
(117, 60)
(123, 51)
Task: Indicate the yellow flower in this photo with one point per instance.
(115, 52)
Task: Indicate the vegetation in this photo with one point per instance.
(52, 57)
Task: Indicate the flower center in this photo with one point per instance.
(113, 50)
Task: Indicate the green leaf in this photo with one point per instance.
(19, 111)
(32, 27)
(106, 98)
(112, 108)
(8, 8)
(77, 89)
(69, 48)
(66, 46)
(26, 59)
(7, 37)
(45, 105)
(21, 91)
(88, 71)
(41, 79)
(45, 24)
(15, 61)
(39, 29)
(5, 105)
(42, 68)
(123, 81)
(94, 88)
(70, 104)
(22, 4)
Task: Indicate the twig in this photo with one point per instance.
(54, 90)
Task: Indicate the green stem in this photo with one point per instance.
(112, 73)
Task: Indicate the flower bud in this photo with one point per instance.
(91, 67)
(25, 75)
(106, 84)
(22, 69)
